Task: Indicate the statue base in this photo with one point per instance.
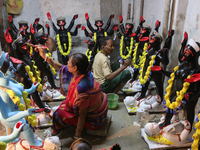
(155, 146)
(132, 110)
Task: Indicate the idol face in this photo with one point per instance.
(8, 69)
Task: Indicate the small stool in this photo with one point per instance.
(103, 130)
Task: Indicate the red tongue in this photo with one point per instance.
(14, 60)
(15, 74)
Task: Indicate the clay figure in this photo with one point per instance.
(63, 36)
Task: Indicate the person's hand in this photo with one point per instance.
(76, 136)
(39, 49)
(127, 62)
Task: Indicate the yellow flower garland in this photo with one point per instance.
(147, 73)
(180, 94)
(88, 54)
(160, 139)
(95, 39)
(17, 101)
(129, 50)
(69, 44)
(144, 53)
(33, 79)
(196, 135)
(53, 70)
(3, 146)
(31, 48)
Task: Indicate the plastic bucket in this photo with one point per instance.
(112, 100)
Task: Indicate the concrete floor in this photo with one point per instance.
(124, 129)
(121, 130)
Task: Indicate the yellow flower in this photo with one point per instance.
(180, 94)
(69, 44)
(129, 50)
(147, 73)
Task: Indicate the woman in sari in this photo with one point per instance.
(86, 105)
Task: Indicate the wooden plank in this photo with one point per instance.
(129, 12)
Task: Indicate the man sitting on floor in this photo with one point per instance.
(111, 80)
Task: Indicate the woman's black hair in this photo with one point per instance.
(81, 62)
(103, 41)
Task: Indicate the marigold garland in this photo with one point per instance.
(21, 107)
(129, 50)
(180, 94)
(53, 70)
(3, 146)
(65, 47)
(33, 79)
(196, 135)
(95, 39)
(160, 139)
(141, 57)
(147, 73)
(89, 54)
(31, 48)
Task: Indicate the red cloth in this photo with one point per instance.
(68, 110)
(93, 120)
